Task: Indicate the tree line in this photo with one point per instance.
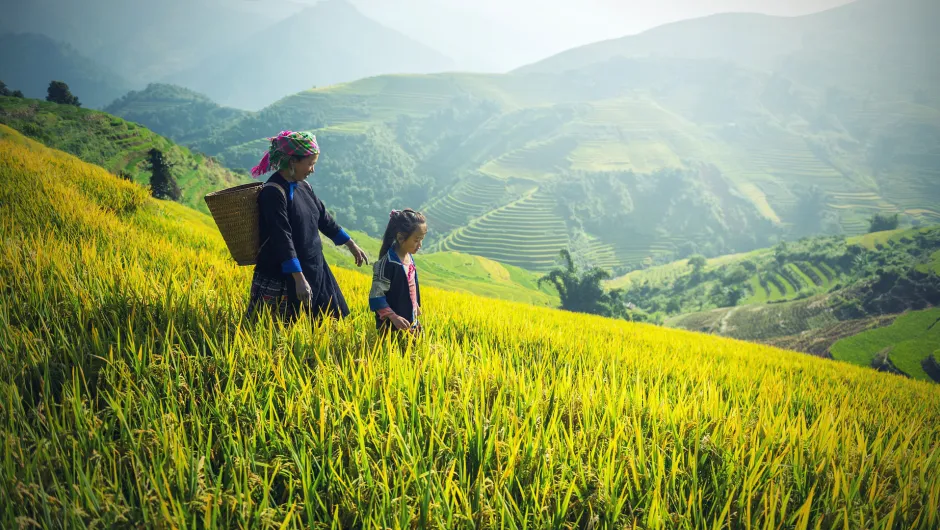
(57, 92)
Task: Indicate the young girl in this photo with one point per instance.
(396, 295)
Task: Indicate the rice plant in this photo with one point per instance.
(134, 393)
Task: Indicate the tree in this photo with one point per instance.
(162, 183)
(735, 295)
(697, 262)
(5, 91)
(58, 92)
(782, 253)
(880, 223)
(580, 291)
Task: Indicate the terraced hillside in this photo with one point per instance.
(527, 232)
(763, 161)
(116, 145)
(793, 280)
(807, 295)
(469, 200)
(760, 156)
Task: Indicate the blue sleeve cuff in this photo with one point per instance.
(377, 303)
(290, 266)
(341, 238)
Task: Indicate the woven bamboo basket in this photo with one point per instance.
(235, 211)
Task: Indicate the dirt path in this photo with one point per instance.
(723, 323)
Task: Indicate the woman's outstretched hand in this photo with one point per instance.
(357, 253)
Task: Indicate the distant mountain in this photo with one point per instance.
(497, 37)
(142, 40)
(879, 44)
(28, 62)
(329, 43)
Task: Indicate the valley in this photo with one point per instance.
(493, 157)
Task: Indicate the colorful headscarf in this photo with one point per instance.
(284, 146)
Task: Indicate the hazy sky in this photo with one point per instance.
(523, 31)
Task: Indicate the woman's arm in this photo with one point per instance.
(328, 225)
(332, 230)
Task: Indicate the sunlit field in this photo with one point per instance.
(134, 393)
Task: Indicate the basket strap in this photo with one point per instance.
(280, 189)
(273, 185)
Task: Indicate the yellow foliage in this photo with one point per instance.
(133, 393)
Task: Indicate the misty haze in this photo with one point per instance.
(448, 264)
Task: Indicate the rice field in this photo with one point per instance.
(527, 233)
(470, 198)
(135, 394)
(536, 161)
(908, 341)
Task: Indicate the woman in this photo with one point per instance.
(291, 273)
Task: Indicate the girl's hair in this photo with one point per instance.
(400, 222)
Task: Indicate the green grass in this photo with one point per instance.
(911, 338)
(759, 294)
(115, 145)
(872, 240)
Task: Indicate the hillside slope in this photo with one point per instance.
(810, 296)
(593, 160)
(116, 145)
(135, 375)
(175, 112)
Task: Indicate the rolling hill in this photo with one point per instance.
(116, 145)
(134, 392)
(821, 296)
(629, 162)
(29, 62)
(175, 112)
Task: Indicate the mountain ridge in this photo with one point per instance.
(629, 161)
(251, 74)
(30, 61)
